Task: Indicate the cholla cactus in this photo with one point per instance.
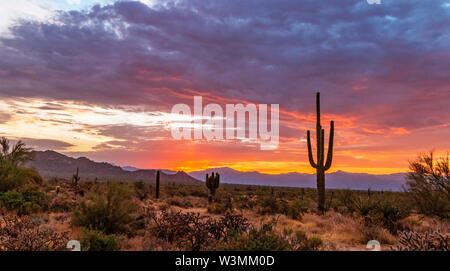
(428, 241)
(212, 182)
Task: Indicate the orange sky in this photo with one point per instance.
(100, 81)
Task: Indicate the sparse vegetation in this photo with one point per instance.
(13, 173)
(429, 185)
(114, 215)
(110, 212)
(92, 240)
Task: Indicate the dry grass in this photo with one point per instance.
(336, 230)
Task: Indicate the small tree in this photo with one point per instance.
(429, 185)
(109, 212)
(13, 174)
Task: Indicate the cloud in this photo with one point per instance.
(382, 69)
(46, 144)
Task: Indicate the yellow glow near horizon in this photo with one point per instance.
(79, 125)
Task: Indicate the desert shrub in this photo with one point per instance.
(142, 190)
(109, 212)
(269, 206)
(294, 209)
(262, 239)
(26, 201)
(300, 241)
(23, 234)
(12, 172)
(428, 185)
(62, 203)
(221, 207)
(375, 232)
(92, 240)
(194, 232)
(363, 206)
(199, 193)
(312, 244)
(428, 241)
(390, 213)
(245, 202)
(180, 202)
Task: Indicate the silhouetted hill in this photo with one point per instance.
(335, 180)
(52, 164)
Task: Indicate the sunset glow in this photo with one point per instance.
(100, 81)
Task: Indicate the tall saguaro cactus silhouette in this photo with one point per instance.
(157, 185)
(321, 165)
(75, 179)
(212, 182)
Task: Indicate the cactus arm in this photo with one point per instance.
(310, 154)
(330, 147)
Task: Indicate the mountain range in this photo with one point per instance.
(335, 180)
(52, 164)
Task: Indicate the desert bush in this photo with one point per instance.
(375, 232)
(221, 207)
(245, 202)
(12, 172)
(428, 241)
(25, 201)
(22, 234)
(262, 239)
(294, 209)
(428, 185)
(62, 203)
(194, 232)
(92, 240)
(390, 213)
(110, 212)
(299, 241)
(142, 190)
(180, 202)
(269, 206)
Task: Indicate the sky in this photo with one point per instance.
(99, 78)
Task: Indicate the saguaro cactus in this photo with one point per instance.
(212, 182)
(157, 184)
(75, 178)
(321, 166)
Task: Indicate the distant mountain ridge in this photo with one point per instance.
(53, 164)
(335, 180)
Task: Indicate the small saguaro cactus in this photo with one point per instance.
(75, 178)
(321, 166)
(212, 182)
(157, 184)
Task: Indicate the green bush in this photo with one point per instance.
(26, 201)
(295, 209)
(429, 185)
(12, 172)
(92, 240)
(109, 212)
(391, 213)
(269, 206)
(263, 239)
(142, 190)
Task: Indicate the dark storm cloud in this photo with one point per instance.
(388, 64)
